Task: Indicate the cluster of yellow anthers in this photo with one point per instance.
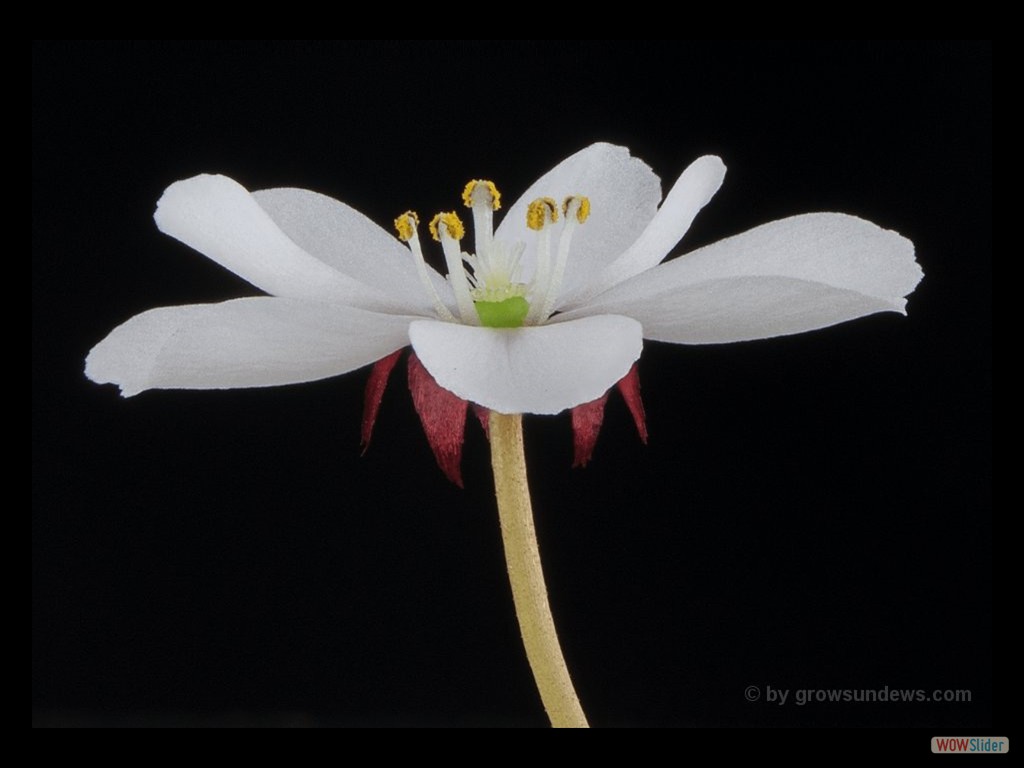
(491, 292)
(545, 209)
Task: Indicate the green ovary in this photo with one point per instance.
(508, 313)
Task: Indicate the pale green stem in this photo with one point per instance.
(525, 574)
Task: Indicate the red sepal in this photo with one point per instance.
(443, 416)
(586, 425)
(629, 386)
(375, 386)
(484, 415)
(587, 418)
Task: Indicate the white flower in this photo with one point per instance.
(344, 293)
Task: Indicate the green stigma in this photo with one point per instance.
(508, 313)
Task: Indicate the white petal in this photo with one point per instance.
(539, 369)
(788, 276)
(624, 194)
(219, 218)
(348, 241)
(254, 342)
(694, 188)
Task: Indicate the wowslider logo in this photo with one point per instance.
(976, 745)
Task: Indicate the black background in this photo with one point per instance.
(811, 511)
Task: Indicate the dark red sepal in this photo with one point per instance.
(375, 386)
(484, 416)
(443, 416)
(629, 386)
(586, 426)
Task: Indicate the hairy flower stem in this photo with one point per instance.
(525, 574)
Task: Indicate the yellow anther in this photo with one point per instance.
(582, 210)
(452, 224)
(477, 188)
(406, 225)
(540, 212)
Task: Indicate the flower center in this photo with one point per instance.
(488, 285)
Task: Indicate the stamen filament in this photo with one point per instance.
(483, 197)
(540, 214)
(576, 210)
(483, 227)
(406, 226)
(447, 228)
